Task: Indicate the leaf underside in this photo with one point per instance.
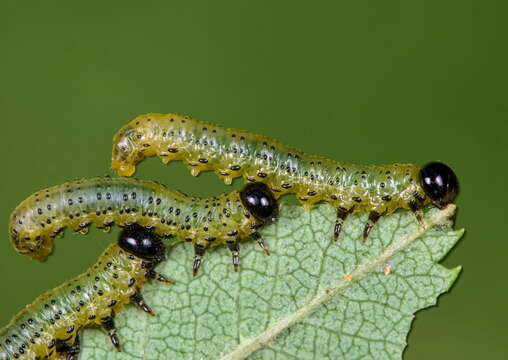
(313, 298)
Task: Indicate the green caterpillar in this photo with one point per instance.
(227, 218)
(48, 328)
(231, 153)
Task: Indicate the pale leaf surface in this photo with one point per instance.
(313, 298)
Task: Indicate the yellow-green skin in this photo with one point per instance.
(57, 316)
(103, 201)
(231, 153)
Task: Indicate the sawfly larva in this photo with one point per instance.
(231, 153)
(48, 328)
(205, 222)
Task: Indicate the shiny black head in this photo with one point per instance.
(439, 183)
(142, 243)
(259, 201)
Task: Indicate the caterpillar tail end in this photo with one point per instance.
(35, 244)
(123, 168)
(38, 253)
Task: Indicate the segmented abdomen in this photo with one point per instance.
(232, 153)
(104, 201)
(54, 318)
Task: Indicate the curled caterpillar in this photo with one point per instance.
(205, 222)
(48, 328)
(231, 153)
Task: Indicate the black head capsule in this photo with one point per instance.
(143, 243)
(259, 201)
(439, 183)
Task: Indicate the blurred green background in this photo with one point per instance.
(362, 81)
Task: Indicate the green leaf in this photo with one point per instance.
(313, 298)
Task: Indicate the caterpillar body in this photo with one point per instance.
(231, 153)
(205, 222)
(49, 327)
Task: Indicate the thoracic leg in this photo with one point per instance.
(199, 252)
(68, 352)
(413, 205)
(234, 247)
(159, 277)
(256, 236)
(137, 299)
(109, 325)
(373, 218)
(342, 214)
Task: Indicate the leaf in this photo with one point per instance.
(313, 298)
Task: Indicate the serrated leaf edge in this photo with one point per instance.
(250, 345)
